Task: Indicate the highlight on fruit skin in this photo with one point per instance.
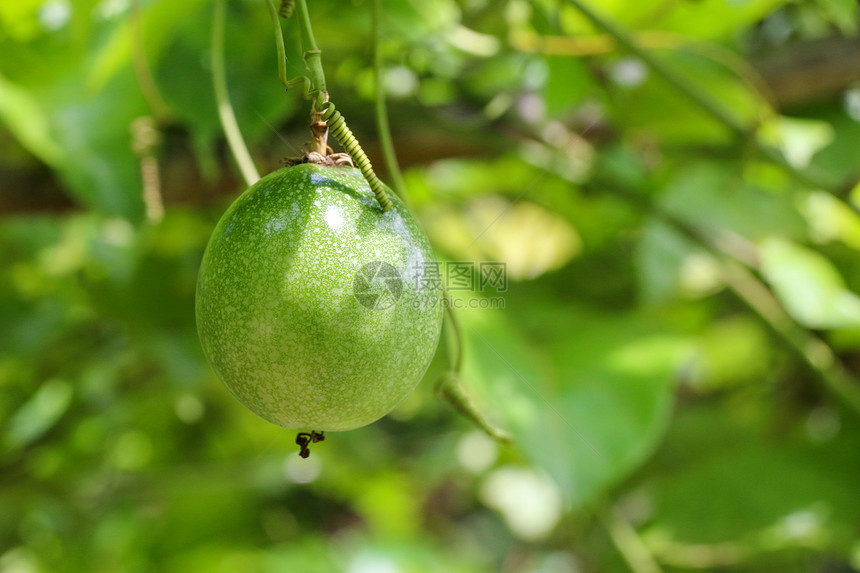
(314, 307)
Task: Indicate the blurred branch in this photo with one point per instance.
(222, 98)
(818, 356)
(627, 541)
(381, 108)
(809, 71)
(144, 130)
(704, 101)
(702, 556)
(145, 141)
(755, 295)
(681, 83)
(652, 39)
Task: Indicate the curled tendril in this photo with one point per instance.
(337, 127)
(286, 9)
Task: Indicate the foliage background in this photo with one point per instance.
(679, 349)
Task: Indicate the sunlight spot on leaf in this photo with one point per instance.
(54, 15)
(474, 42)
(798, 139)
(477, 452)
(372, 563)
(529, 502)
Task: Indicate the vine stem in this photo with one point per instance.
(814, 352)
(279, 42)
(701, 99)
(382, 124)
(627, 541)
(142, 70)
(146, 136)
(455, 338)
(222, 99)
(449, 386)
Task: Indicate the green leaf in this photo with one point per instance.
(28, 122)
(735, 479)
(95, 129)
(745, 491)
(715, 19)
(709, 196)
(843, 13)
(798, 139)
(567, 84)
(599, 416)
(660, 109)
(711, 19)
(660, 262)
(39, 413)
(831, 219)
(809, 286)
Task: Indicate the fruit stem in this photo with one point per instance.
(324, 117)
(319, 127)
(312, 54)
(316, 79)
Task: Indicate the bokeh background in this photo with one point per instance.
(679, 352)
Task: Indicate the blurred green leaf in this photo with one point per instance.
(831, 219)
(712, 198)
(798, 139)
(843, 13)
(809, 286)
(28, 122)
(734, 480)
(711, 19)
(567, 84)
(601, 413)
(660, 262)
(39, 413)
(767, 488)
(646, 103)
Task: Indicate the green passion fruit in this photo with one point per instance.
(315, 308)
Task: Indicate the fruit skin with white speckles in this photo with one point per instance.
(276, 311)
